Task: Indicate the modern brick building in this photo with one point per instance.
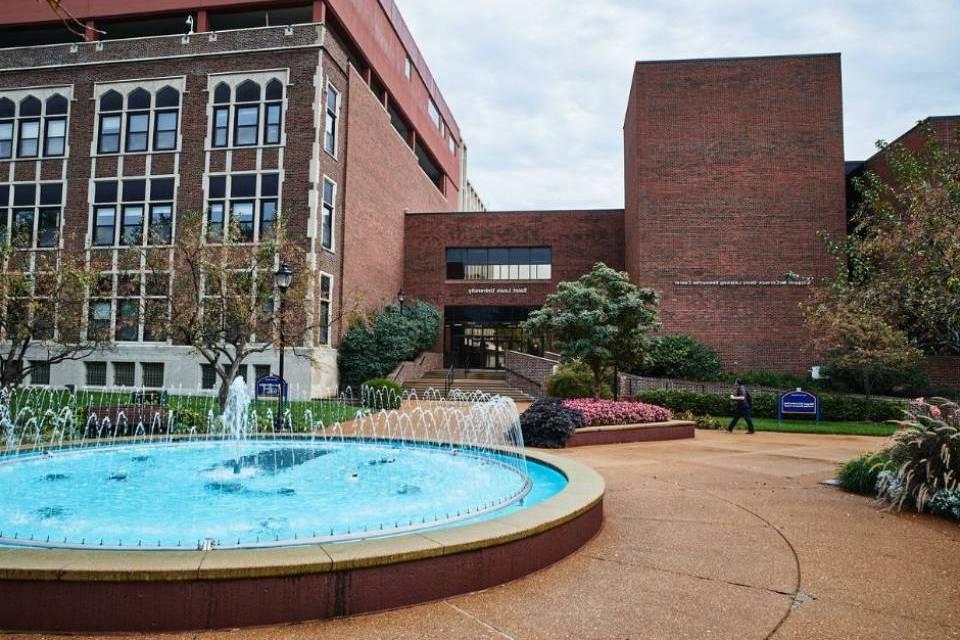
(321, 111)
(732, 168)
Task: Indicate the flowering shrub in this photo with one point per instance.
(609, 412)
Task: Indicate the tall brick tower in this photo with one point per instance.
(732, 167)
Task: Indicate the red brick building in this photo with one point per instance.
(321, 111)
(732, 168)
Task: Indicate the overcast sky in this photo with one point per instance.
(539, 87)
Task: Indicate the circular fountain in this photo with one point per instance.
(242, 522)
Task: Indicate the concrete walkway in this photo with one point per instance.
(725, 536)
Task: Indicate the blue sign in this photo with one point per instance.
(799, 403)
(269, 387)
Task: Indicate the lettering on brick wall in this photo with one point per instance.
(803, 282)
(488, 291)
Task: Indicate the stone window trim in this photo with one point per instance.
(49, 138)
(229, 122)
(221, 208)
(328, 214)
(39, 373)
(325, 299)
(154, 205)
(332, 119)
(47, 202)
(155, 128)
(104, 304)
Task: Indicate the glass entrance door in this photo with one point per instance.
(479, 337)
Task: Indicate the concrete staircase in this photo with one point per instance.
(492, 382)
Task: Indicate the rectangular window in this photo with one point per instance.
(48, 227)
(329, 207)
(408, 67)
(128, 320)
(109, 134)
(54, 140)
(28, 144)
(268, 218)
(22, 232)
(6, 139)
(247, 123)
(241, 212)
(131, 226)
(330, 127)
(161, 224)
(100, 311)
(499, 263)
(215, 221)
(96, 374)
(104, 223)
(138, 124)
(152, 374)
(123, 374)
(165, 131)
(221, 126)
(434, 113)
(39, 372)
(271, 133)
(326, 295)
(261, 371)
(208, 376)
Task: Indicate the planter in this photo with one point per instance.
(622, 433)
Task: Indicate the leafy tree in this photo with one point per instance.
(856, 339)
(42, 302)
(224, 303)
(902, 257)
(374, 346)
(602, 319)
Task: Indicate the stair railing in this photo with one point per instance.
(448, 381)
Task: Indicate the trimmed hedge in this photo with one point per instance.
(574, 380)
(833, 408)
(375, 348)
(381, 393)
(681, 357)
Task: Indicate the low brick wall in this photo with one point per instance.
(528, 373)
(944, 371)
(631, 384)
(414, 369)
(623, 433)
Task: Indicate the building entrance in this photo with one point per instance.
(479, 337)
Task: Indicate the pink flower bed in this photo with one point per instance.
(608, 412)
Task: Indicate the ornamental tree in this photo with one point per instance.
(902, 258)
(856, 339)
(42, 309)
(602, 319)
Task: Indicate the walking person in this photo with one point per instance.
(744, 403)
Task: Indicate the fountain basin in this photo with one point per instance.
(167, 590)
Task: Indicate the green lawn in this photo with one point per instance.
(811, 426)
(326, 411)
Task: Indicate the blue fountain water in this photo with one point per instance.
(387, 473)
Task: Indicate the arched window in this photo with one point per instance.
(111, 101)
(55, 126)
(138, 121)
(28, 133)
(272, 124)
(248, 91)
(221, 95)
(165, 119)
(7, 112)
(274, 90)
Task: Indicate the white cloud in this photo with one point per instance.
(539, 88)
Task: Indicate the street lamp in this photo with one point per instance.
(400, 298)
(282, 279)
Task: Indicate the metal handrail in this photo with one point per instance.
(448, 381)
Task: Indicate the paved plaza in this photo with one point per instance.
(725, 536)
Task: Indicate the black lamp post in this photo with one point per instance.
(400, 298)
(282, 279)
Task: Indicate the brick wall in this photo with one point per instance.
(528, 373)
(943, 128)
(578, 240)
(383, 178)
(732, 167)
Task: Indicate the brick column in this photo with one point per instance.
(89, 31)
(319, 11)
(203, 21)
